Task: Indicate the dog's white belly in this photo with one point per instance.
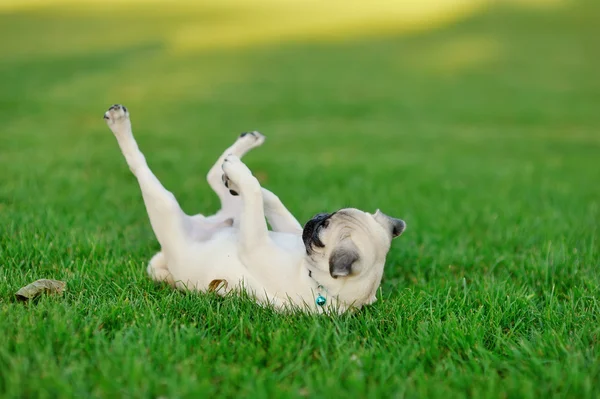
(218, 259)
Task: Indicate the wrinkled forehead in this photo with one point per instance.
(361, 221)
(352, 216)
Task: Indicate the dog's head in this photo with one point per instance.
(347, 249)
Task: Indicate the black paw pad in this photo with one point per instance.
(234, 193)
(245, 133)
(117, 106)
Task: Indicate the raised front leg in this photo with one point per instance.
(278, 216)
(244, 143)
(253, 227)
(257, 251)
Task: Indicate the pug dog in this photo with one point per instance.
(334, 264)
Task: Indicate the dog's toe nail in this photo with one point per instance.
(234, 193)
(243, 134)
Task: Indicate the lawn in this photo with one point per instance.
(482, 132)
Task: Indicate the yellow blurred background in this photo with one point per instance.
(232, 23)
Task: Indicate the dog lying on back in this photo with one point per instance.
(334, 264)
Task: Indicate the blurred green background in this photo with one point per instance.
(475, 121)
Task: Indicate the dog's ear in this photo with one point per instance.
(395, 226)
(342, 259)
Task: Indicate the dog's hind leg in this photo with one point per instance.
(158, 269)
(170, 224)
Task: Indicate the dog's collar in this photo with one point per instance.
(320, 299)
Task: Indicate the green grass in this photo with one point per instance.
(483, 136)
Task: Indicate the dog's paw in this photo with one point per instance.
(252, 139)
(236, 174)
(117, 117)
(233, 188)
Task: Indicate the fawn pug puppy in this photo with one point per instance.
(334, 264)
